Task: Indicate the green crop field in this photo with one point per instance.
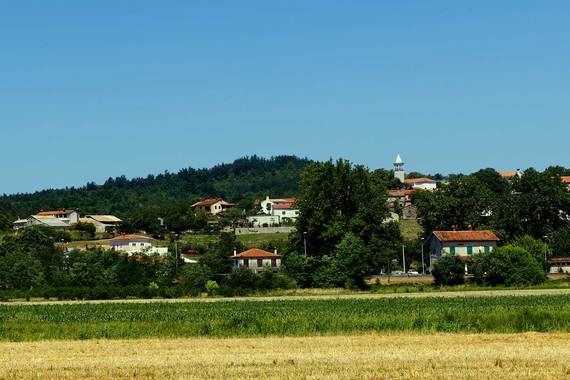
(499, 314)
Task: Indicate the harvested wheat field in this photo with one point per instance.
(396, 356)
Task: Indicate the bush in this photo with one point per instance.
(510, 266)
(448, 270)
(211, 287)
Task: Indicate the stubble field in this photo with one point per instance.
(376, 356)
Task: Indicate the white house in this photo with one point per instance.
(212, 206)
(268, 203)
(421, 183)
(69, 217)
(135, 244)
(285, 211)
(257, 260)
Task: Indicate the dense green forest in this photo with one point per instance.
(241, 181)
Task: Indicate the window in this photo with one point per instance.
(469, 250)
(259, 263)
(283, 212)
(246, 263)
(273, 263)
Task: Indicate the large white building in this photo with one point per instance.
(421, 183)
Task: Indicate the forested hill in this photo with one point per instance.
(243, 180)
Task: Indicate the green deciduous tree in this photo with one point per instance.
(448, 270)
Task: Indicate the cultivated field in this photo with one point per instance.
(413, 356)
(286, 317)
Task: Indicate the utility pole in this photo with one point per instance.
(423, 266)
(305, 241)
(176, 253)
(404, 257)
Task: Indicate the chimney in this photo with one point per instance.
(470, 227)
(235, 252)
(275, 251)
(453, 228)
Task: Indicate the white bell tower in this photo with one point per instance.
(399, 169)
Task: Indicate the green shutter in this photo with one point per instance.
(469, 250)
(452, 251)
(487, 249)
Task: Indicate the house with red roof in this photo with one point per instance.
(283, 208)
(257, 260)
(566, 180)
(423, 183)
(463, 244)
(136, 244)
(213, 206)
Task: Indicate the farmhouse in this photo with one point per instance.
(102, 223)
(213, 206)
(135, 244)
(268, 203)
(47, 221)
(257, 260)
(68, 217)
(462, 243)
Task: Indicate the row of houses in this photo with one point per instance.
(273, 211)
(65, 219)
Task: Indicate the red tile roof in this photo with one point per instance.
(255, 253)
(283, 200)
(286, 206)
(483, 235)
(418, 180)
(508, 174)
(399, 193)
(58, 212)
(565, 179)
(131, 237)
(211, 201)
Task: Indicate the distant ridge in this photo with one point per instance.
(245, 178)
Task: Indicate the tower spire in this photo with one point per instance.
(399, 169)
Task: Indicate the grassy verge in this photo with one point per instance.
(499, 314)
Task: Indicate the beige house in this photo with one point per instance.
(212, 206)
(257, 260)
(69, 217)
(102, 223)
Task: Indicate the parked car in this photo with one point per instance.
(413, 272)
(397, 273)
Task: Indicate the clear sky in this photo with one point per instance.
(90, 90)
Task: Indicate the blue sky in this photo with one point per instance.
(95, 89)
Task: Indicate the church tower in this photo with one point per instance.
(399, 169)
